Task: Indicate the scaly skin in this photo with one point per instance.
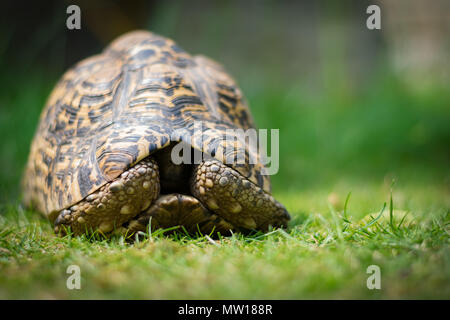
(180, 210)
(115, 203)
(222, 201)
(224, 191)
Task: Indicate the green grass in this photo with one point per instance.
(333, 141)
(324, 254)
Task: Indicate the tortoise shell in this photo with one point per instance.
(114, 109)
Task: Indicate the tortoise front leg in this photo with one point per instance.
(114, 203)
(236, 199)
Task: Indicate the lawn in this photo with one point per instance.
(324, 254)
(363, 174)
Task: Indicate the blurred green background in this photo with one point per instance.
(352, 104)
(357, 109)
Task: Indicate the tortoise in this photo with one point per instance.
(102, 156)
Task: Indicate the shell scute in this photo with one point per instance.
(112, 110)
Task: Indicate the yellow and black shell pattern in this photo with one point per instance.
(114, 109)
